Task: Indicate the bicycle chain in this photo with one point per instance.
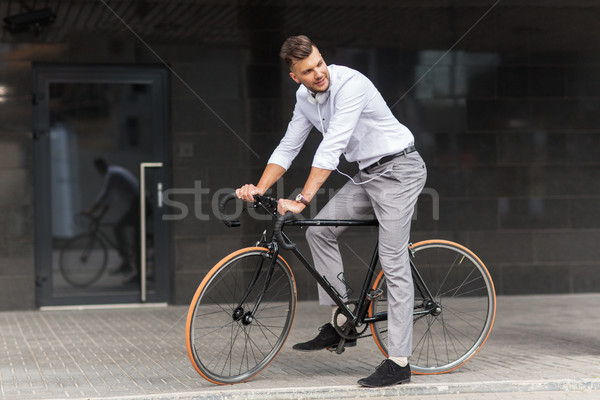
(355, 337)
(351, 337)
(369, 335)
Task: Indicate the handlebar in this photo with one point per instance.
(224, 200)
(281, 220)
(266, 201)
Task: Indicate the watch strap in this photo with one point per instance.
(301, 199)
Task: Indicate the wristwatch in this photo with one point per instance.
(301, 199)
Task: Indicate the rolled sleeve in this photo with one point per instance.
(293, 140)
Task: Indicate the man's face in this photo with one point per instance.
(311, 72)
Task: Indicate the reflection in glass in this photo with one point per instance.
(95, 212)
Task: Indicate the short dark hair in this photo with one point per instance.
(296, 48)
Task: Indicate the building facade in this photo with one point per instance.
(500, 95)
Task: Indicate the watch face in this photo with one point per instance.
(300, 199)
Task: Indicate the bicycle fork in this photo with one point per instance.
(429, 306)
(248, 317)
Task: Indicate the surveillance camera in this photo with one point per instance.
(33, 20)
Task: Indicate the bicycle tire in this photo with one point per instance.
(222, 348)
(462, 286)
(83, 260)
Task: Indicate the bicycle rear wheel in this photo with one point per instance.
(226, 341)
(83, 260)
(451, 327)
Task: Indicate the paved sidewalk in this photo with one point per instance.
(540, 344)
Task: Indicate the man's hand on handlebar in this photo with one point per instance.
(284, 205)
(247, 192)
(285, 208)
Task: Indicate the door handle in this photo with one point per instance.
(143, 167)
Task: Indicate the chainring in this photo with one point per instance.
(354, 333)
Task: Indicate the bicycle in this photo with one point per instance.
(83, 258)
(243, 310)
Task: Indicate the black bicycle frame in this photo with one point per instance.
(321, 281)
(357, 317)
(361, 308)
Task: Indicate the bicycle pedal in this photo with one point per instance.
(347, 343)
(334, 348)
(375, 294)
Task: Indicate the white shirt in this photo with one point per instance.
(356, 122)
(120, 185)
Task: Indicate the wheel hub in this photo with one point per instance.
(238, 314)
(248, 318)
(434, 308)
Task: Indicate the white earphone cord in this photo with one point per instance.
(362, 183)
(347, 176)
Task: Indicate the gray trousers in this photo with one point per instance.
(391, 197)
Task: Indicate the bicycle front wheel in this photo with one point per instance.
(236, 322)
(454, 308)
(83, 260)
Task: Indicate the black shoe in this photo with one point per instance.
(124, 269)
(327, 337)
(388, 373)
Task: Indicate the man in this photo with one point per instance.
(120, 186)
(355, 121)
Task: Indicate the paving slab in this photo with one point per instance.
(539, 344)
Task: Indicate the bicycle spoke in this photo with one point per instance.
(448, 273)
(266, 328)
(216, 328)
(454, 340)
(248, 338)
(217, 355)
(459, 315)
(232, 341)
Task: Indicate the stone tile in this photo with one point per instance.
(126, 353)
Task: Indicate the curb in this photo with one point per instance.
(352, 392)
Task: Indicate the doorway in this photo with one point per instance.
(94, 126)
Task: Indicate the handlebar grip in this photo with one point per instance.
(277, 230)
(224, 200)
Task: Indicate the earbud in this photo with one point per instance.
(318, 98)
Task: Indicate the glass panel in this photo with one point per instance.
(95, 207)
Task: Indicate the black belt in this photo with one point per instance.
(389, 158)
